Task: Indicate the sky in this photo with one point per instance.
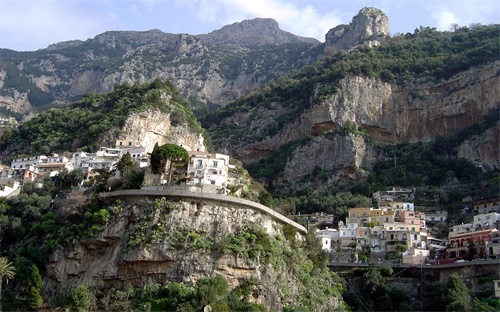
(29, 25)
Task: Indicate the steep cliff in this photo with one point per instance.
(345, 124)
(166, 239)
(153, 126)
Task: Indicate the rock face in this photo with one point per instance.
(213, 69)
(152, 126)
(483, 149)
(365, 28)
(142, 245)
(420, 111)
(252, 33)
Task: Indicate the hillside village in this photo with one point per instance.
(397, 232)
(391, 231)
(207, 169)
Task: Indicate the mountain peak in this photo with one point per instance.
(366, 26)
(252, 33)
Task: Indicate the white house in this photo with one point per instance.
(415, 256)
(461, 228)
(22, 163)
(9, 190)
(329, 238)
(205, 168)
(485, 221)
(436, 216)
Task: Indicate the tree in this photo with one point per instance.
(84, 299)
(125, 164)
(35, 287)
(457, 295)
(66, 179)
(168, 155)
(7, 271)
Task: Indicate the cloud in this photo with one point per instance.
(445, 19)
(462, 12)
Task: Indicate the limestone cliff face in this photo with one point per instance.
(116, 258)
(16, 101)
(348, 153)
(419, 111)
(483, 149)
(365, 28)
(152, 126)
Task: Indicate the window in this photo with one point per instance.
(121, 143)
(129, 143)
(214, 164)
(199, 163)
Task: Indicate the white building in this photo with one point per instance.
(436, 216)
(461, 228)
(10, 190)
(485, 221)
(415, 256)
(22, 163)
(329, 238)
(205, 168)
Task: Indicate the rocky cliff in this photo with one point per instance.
(211, 69)
(252, 33)
(152, 126)
(158, 240)
(419, 111)
(367, 27)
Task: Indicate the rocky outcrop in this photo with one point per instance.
(158, 241)
(17, 102)
(345, 152)
(483, 149)
(252, 33)
(369, 25)
(152, 126)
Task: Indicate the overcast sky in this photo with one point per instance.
(28, 25)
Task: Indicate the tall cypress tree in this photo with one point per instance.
(35, 287)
